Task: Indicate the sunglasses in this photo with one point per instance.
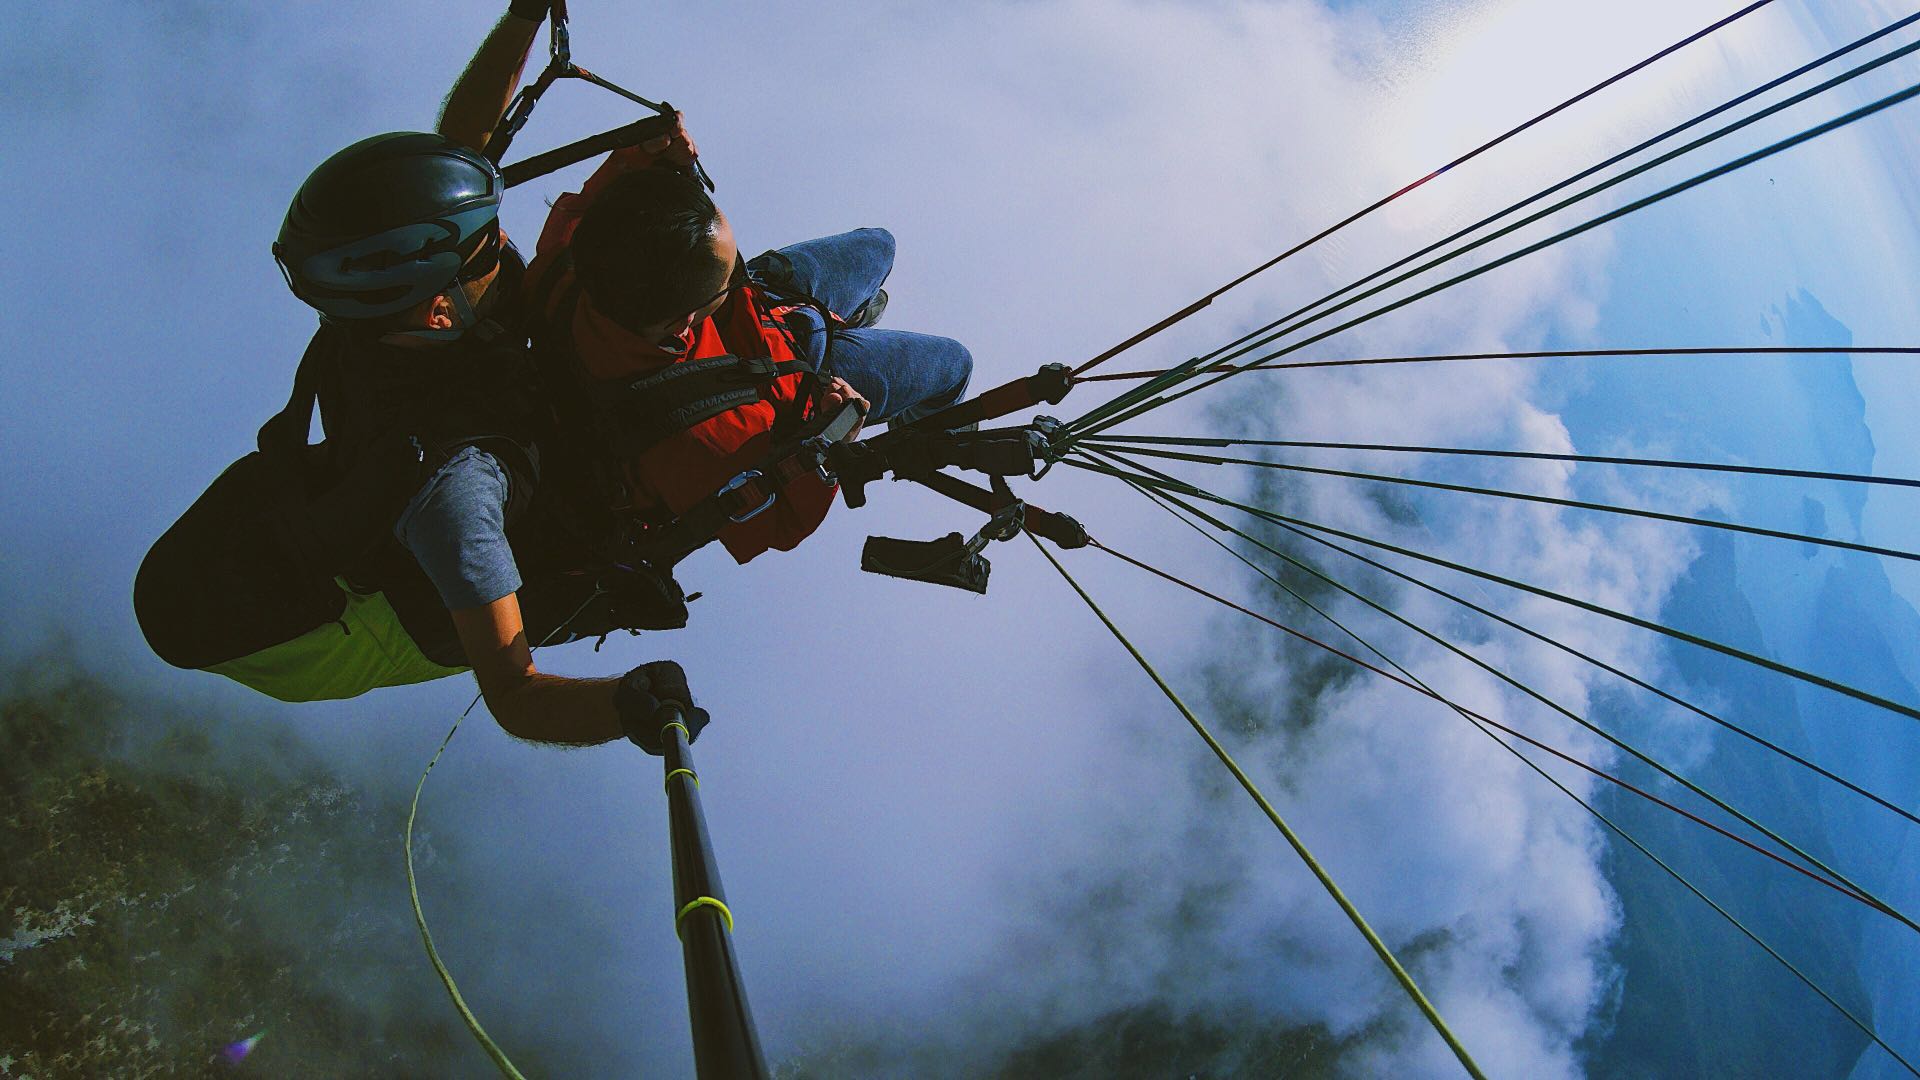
(737, 279)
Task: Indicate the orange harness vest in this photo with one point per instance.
(676, 429)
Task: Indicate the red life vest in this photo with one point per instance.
(669, 470)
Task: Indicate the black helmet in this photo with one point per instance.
(389, 222)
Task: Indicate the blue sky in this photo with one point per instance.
(1058, 174)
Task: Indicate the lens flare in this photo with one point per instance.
(235, 1053)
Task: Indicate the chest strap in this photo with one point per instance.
(750, 493)
(639, 414)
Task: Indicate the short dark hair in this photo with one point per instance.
(640, 248)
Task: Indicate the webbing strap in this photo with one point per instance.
(287, 430)
(746, 494)
(1059, 528)
(644, 412)
(1050, 384)
(560, 157)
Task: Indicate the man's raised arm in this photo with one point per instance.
(572, 712)
(483, 91)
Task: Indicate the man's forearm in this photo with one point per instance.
(555, 709)
(480, 96)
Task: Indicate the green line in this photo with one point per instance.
(1300, 848)
(1585, 605)
(1525, 455)
(480, 1035)
(1723, 722)
(1742, 927)
(1805, 980)
(499, 1056)
(1080, 430)
(1664, 695)
(1160, 382)
(1863, 895)
(1246, 343)
(1223, 360)
(1852, 888)
(1549, 500)
(1486, 730)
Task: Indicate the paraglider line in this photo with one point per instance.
(1836, 882)
(1609, 162)
(1164, 499)
(1359, 921)
(1742, 350)
(1521, 496)
(493, 1050)
(1486, 728)
(1585, 605)
(1128, 405)
(1468, 156)
(1525, 455)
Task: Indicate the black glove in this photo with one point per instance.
(652, 696)
(535, 10)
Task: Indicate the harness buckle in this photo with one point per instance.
(736, 484)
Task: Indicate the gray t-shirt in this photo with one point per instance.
(456, 528)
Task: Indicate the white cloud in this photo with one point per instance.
(901, 781)
(1179, 142)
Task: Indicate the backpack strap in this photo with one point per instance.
(285, 432)
(640, 414)
(591, 485)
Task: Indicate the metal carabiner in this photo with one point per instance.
(741, 481)
(559, 41)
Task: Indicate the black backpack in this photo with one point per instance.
(258, 559)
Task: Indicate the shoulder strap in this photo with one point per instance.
(540, 295)
(644, 412)
(286, 431)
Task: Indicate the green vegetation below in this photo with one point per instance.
(166, 893)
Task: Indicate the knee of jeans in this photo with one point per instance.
(881, 239)
(961, 364)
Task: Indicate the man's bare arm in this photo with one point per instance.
(526, 703)
(480, 96)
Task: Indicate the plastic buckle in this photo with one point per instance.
(818, 452)
(736, 484)
(1051, 383)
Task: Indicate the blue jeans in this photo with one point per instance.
(904, 375)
